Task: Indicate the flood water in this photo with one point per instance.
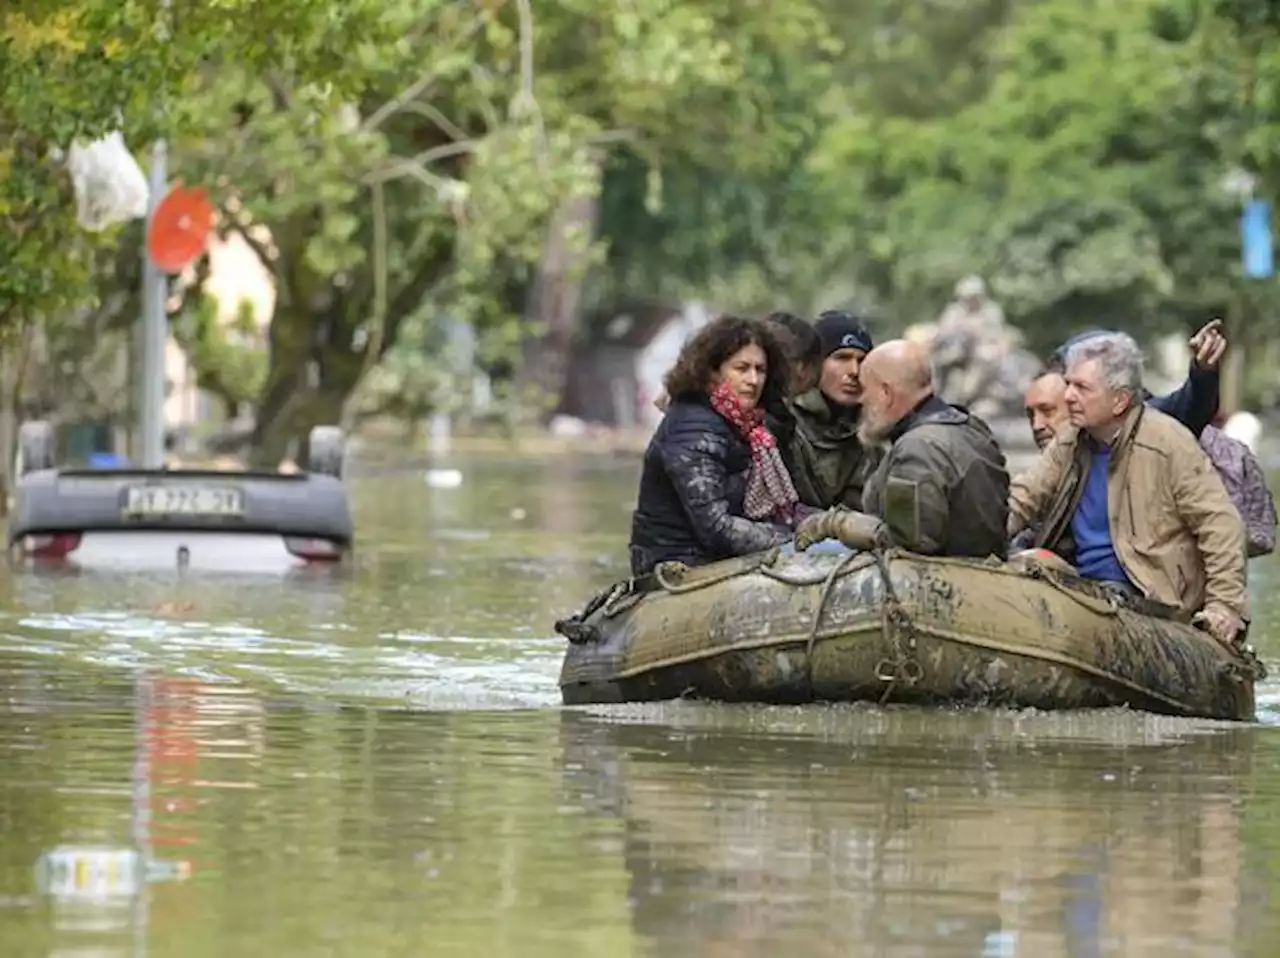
(377, 764)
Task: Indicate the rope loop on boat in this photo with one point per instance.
(1247, 666)
(828, 587)
(904, 667)
(668, 575)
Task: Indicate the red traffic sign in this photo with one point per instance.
(179, 228)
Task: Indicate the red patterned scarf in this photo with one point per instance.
(770, 492)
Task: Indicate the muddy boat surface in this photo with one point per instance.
(896, 627)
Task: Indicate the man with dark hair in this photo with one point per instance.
(827, 462)
(804, 346)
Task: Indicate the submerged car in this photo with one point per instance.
(121, 517)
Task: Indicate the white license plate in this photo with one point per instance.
(184, 501)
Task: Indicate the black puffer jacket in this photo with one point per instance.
(689, 508)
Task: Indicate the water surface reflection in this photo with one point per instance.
(850, 831)
(374, 763)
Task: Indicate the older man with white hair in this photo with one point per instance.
(1127, 495)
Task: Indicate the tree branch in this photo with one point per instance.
(525, 100)
(607, 137)
(402, 167)
(433, 113)
(268, 263)
(418, 86)
(279, 95)
(378, 319)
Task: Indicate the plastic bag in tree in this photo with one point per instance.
(109, 185)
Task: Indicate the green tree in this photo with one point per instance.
(71, 70)
(433, 191)
(1083, 178)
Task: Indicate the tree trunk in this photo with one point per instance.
(307, 384)
(313, 365)
(14, 356)
(8, 422)
(557, 293)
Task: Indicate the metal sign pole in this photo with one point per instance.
(154, 332)
(155, 323)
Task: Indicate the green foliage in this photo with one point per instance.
(230, 361)
(480, 126)
(754, 155)
(72, 70)
(1083, 180)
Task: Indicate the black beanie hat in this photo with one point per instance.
(840, 330)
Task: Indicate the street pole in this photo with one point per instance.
(154, 327)
(154, 332)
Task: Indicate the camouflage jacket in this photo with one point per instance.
(1246, 485)
(827, 462)
(943, 487)
(689, 507)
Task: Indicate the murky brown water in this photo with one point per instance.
(377, 765)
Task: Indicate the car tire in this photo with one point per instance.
(326, 450)
(36, 447)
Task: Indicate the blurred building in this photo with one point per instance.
(616, 373)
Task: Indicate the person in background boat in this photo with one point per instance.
(1130, 499)
(941, 486)
(977, 355)
(820, 440)
(713, 484)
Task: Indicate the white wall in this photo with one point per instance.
(236, 274)
(660, 355)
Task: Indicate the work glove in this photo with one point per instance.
(854, 530)
(813, 528)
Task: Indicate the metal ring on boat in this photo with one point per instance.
(887, 671)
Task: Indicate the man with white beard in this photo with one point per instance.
(941, 487)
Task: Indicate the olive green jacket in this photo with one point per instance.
(821, 449)
(943, 486)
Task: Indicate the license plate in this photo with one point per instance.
(184, 501)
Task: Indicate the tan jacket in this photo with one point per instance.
(1173, 527)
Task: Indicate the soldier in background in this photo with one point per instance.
(977, 356)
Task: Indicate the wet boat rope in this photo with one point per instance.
(904, 667)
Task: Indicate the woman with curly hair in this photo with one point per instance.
(714, 485)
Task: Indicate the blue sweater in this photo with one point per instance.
(1091, 526)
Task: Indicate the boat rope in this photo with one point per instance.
(904, 667)
(667, 574)
(828, 587)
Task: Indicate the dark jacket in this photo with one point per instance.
(689, 508)
(821, 449)
(942, 488)
(1194, 403)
